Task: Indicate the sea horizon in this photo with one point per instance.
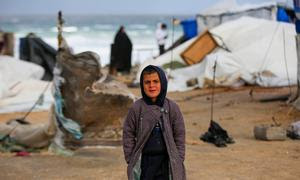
(95, 32)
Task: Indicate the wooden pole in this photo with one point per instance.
(59, 28)
(8, 41)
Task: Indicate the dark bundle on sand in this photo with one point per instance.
(216, 135)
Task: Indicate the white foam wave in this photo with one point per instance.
(86, 29)
(138, 26)
(68, 29)
(104, 26)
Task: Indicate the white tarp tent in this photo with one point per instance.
(262, 52)
(20, 86)
(265, 50)
(228, 10)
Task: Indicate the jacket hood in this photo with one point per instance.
(164, 86)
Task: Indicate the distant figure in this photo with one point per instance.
(161, 36)
(120, 60)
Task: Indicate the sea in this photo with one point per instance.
(95, 32)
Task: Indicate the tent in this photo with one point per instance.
(20, 86)
(261, 52)
(227, 10)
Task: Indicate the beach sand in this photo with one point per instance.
(234, 110)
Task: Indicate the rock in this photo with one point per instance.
(269, 132)
(93, 99)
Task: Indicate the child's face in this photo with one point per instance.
(151, 83)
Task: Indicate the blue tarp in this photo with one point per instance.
(189, 28)
(282, 15)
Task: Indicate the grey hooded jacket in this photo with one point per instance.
(137, 128)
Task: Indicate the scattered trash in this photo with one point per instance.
(192, 82)
(293, 131)
(217, 135)
(22, 153)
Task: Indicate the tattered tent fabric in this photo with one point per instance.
(35, 50)
(21, 86)
(262, 52)
(228, 10)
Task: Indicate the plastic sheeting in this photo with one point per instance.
(228, 10)
(27, 135)
(13, 71)
(21, 87)
(263, 51)
(25, 95)
(35, 50)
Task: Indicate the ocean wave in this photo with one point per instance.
(68, 29)
(138, 26)
(94, 33)
(104, 26)
(86, 29)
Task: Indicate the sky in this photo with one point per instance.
(27, 7)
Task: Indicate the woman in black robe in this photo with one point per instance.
(121, 52)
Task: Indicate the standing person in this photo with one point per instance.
(154, 132)
(120, 60)
(161, 35)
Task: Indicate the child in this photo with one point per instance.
(154, 132)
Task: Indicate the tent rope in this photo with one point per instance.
(285, 60)
(41, 97)
(223, 45)
(171, 63)
(213, 91)
(264, 58)
(269, 47)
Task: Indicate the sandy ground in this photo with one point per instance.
(235, 111)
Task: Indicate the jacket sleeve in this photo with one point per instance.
(179, 131)
(129, 134)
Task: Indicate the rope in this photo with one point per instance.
(37, 101)
(213, 91)
(171, 63)
(223, 45)
(285, 60)
(269, 47)
(265, 57)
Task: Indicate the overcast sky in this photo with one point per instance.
(8, 7)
